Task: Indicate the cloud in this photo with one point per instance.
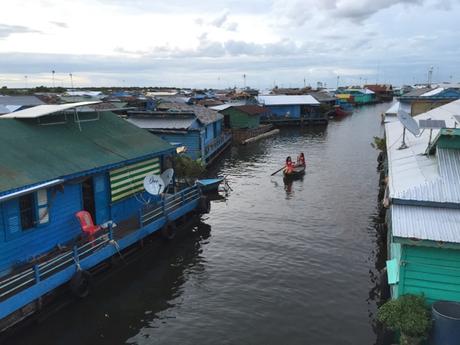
(297, 13)
(60, 24)
(220, 20)
(7, 30)
(362, 10)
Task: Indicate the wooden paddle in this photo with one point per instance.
(277, 171)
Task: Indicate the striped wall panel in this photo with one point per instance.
(129, 180)
(435, 272)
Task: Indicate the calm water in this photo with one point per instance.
(272, 264)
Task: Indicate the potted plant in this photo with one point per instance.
(408, 315)
(187, 170)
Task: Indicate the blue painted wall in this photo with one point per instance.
(282, 110)
(191, 140)
(19, 246)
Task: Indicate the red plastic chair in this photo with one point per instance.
(87, 224)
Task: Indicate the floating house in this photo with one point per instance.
(244, 121)
(244, 116)
(423, 200)
(421, 100)
(72, 196)
(291, 109)
(199, 129)
(383, 92)
(9, 104)
(356, 96)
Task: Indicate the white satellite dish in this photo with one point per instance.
(154, 184)
(167, 176)
(407, 121)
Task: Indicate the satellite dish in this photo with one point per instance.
(407, 121)
(167, 176)
(154, 184)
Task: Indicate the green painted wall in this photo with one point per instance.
(239, 119)
(433, 271)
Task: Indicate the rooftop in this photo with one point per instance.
(425, 189)
(38, 153)
(287, 100)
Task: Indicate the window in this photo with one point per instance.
(34, 209)
(27, 211)
(42, 205)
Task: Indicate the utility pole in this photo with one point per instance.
(71, 80)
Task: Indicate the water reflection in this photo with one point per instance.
(132, 299)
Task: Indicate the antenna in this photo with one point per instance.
(430, 75)
(409, 123)
(153, 184)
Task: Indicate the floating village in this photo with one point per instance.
(90, 176)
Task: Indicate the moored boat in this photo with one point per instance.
(210, 184)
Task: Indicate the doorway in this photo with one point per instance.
(87, 191)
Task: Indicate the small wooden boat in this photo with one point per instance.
(210, 184)
(294, 170)
(297, 172)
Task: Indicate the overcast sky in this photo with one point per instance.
(213, 43)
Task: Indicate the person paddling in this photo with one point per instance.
(301, 159)
(289, 168)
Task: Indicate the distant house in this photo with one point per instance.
(356, 96)
(9, 104)
(421, 100)
(290, 109)
(423, 200)
(383, 92)
(244, 116)
(197, 128)
(60, 162)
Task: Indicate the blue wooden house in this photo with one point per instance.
(197, 128)
(286, 109)
(56, 161)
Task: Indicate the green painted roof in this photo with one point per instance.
(447, 138)
(32, 152)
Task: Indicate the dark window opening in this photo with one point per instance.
(88, 197)
(27, 211)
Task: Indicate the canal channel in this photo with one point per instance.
(271, 264)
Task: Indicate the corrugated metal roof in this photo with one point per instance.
(205, 115)
(426, 223)
(20, 100)
(288, 100)
(433, 92)
(226, 105)
(414, 175)
(37, 153)
(42, 110)
(162, 122)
